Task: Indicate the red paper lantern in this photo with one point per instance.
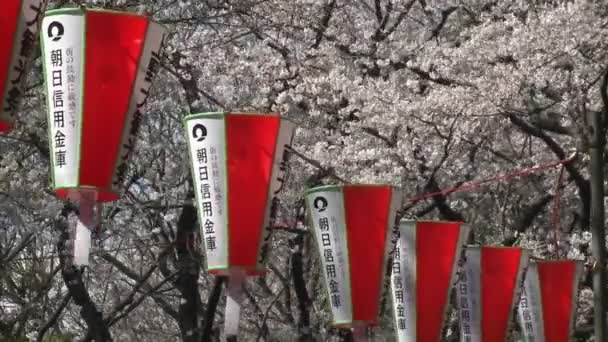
(355, 230)
(488, 290)
(19, 24)
(424, 269)
(238, 166)
(99, 67)
(548, 303)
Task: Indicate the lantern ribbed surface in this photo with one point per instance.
(239, 165)
(99, 66)
(355, 231)
(19, 26)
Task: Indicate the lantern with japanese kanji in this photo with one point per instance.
(355, 229)
(488, 291)
(19, 24)
(99, 67)
(548, 303)
(425, 265)
(239, 166)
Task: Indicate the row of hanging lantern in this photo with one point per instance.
(99, 66)
(352, 226)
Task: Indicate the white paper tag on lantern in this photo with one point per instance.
(206, 137)
(327, 214)
(82, 244)
(63, 62)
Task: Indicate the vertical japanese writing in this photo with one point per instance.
(279, 175)
(62, 36)
(202, 165)
(217, 197)
(329, 258)
(72, 107)
(526, 318)
(327, 215)
(150, 61)
(58, 109)
(468, 291)
(136, 118)
(519, 292)
(398, 289)
(464, 304)
(403, 285)
(24, 44)
(207, 211)
(56, 94)
(206, 141)
(204, 188)
(529, 308)
(391, 247)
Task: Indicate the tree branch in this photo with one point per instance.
(72, 277)
(188, 266)
(167, 308)
(582, 184)
(328, 11)
(53, 319)
(214, 299)
(299, 284)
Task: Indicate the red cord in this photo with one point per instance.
(477, 184)
(556, 210)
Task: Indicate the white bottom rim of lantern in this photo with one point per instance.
(234, 299)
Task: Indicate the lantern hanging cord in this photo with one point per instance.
(500, 178)
(556, 210)
(444, 192)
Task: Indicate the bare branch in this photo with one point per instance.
(53, 319)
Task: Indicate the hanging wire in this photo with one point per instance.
(444, 192)
(504, 177)
(557, 211)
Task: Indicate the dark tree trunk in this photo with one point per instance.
(188, 266)
(214, 299)
(72, 276)
(304, 302)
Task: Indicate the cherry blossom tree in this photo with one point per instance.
(427, 95)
